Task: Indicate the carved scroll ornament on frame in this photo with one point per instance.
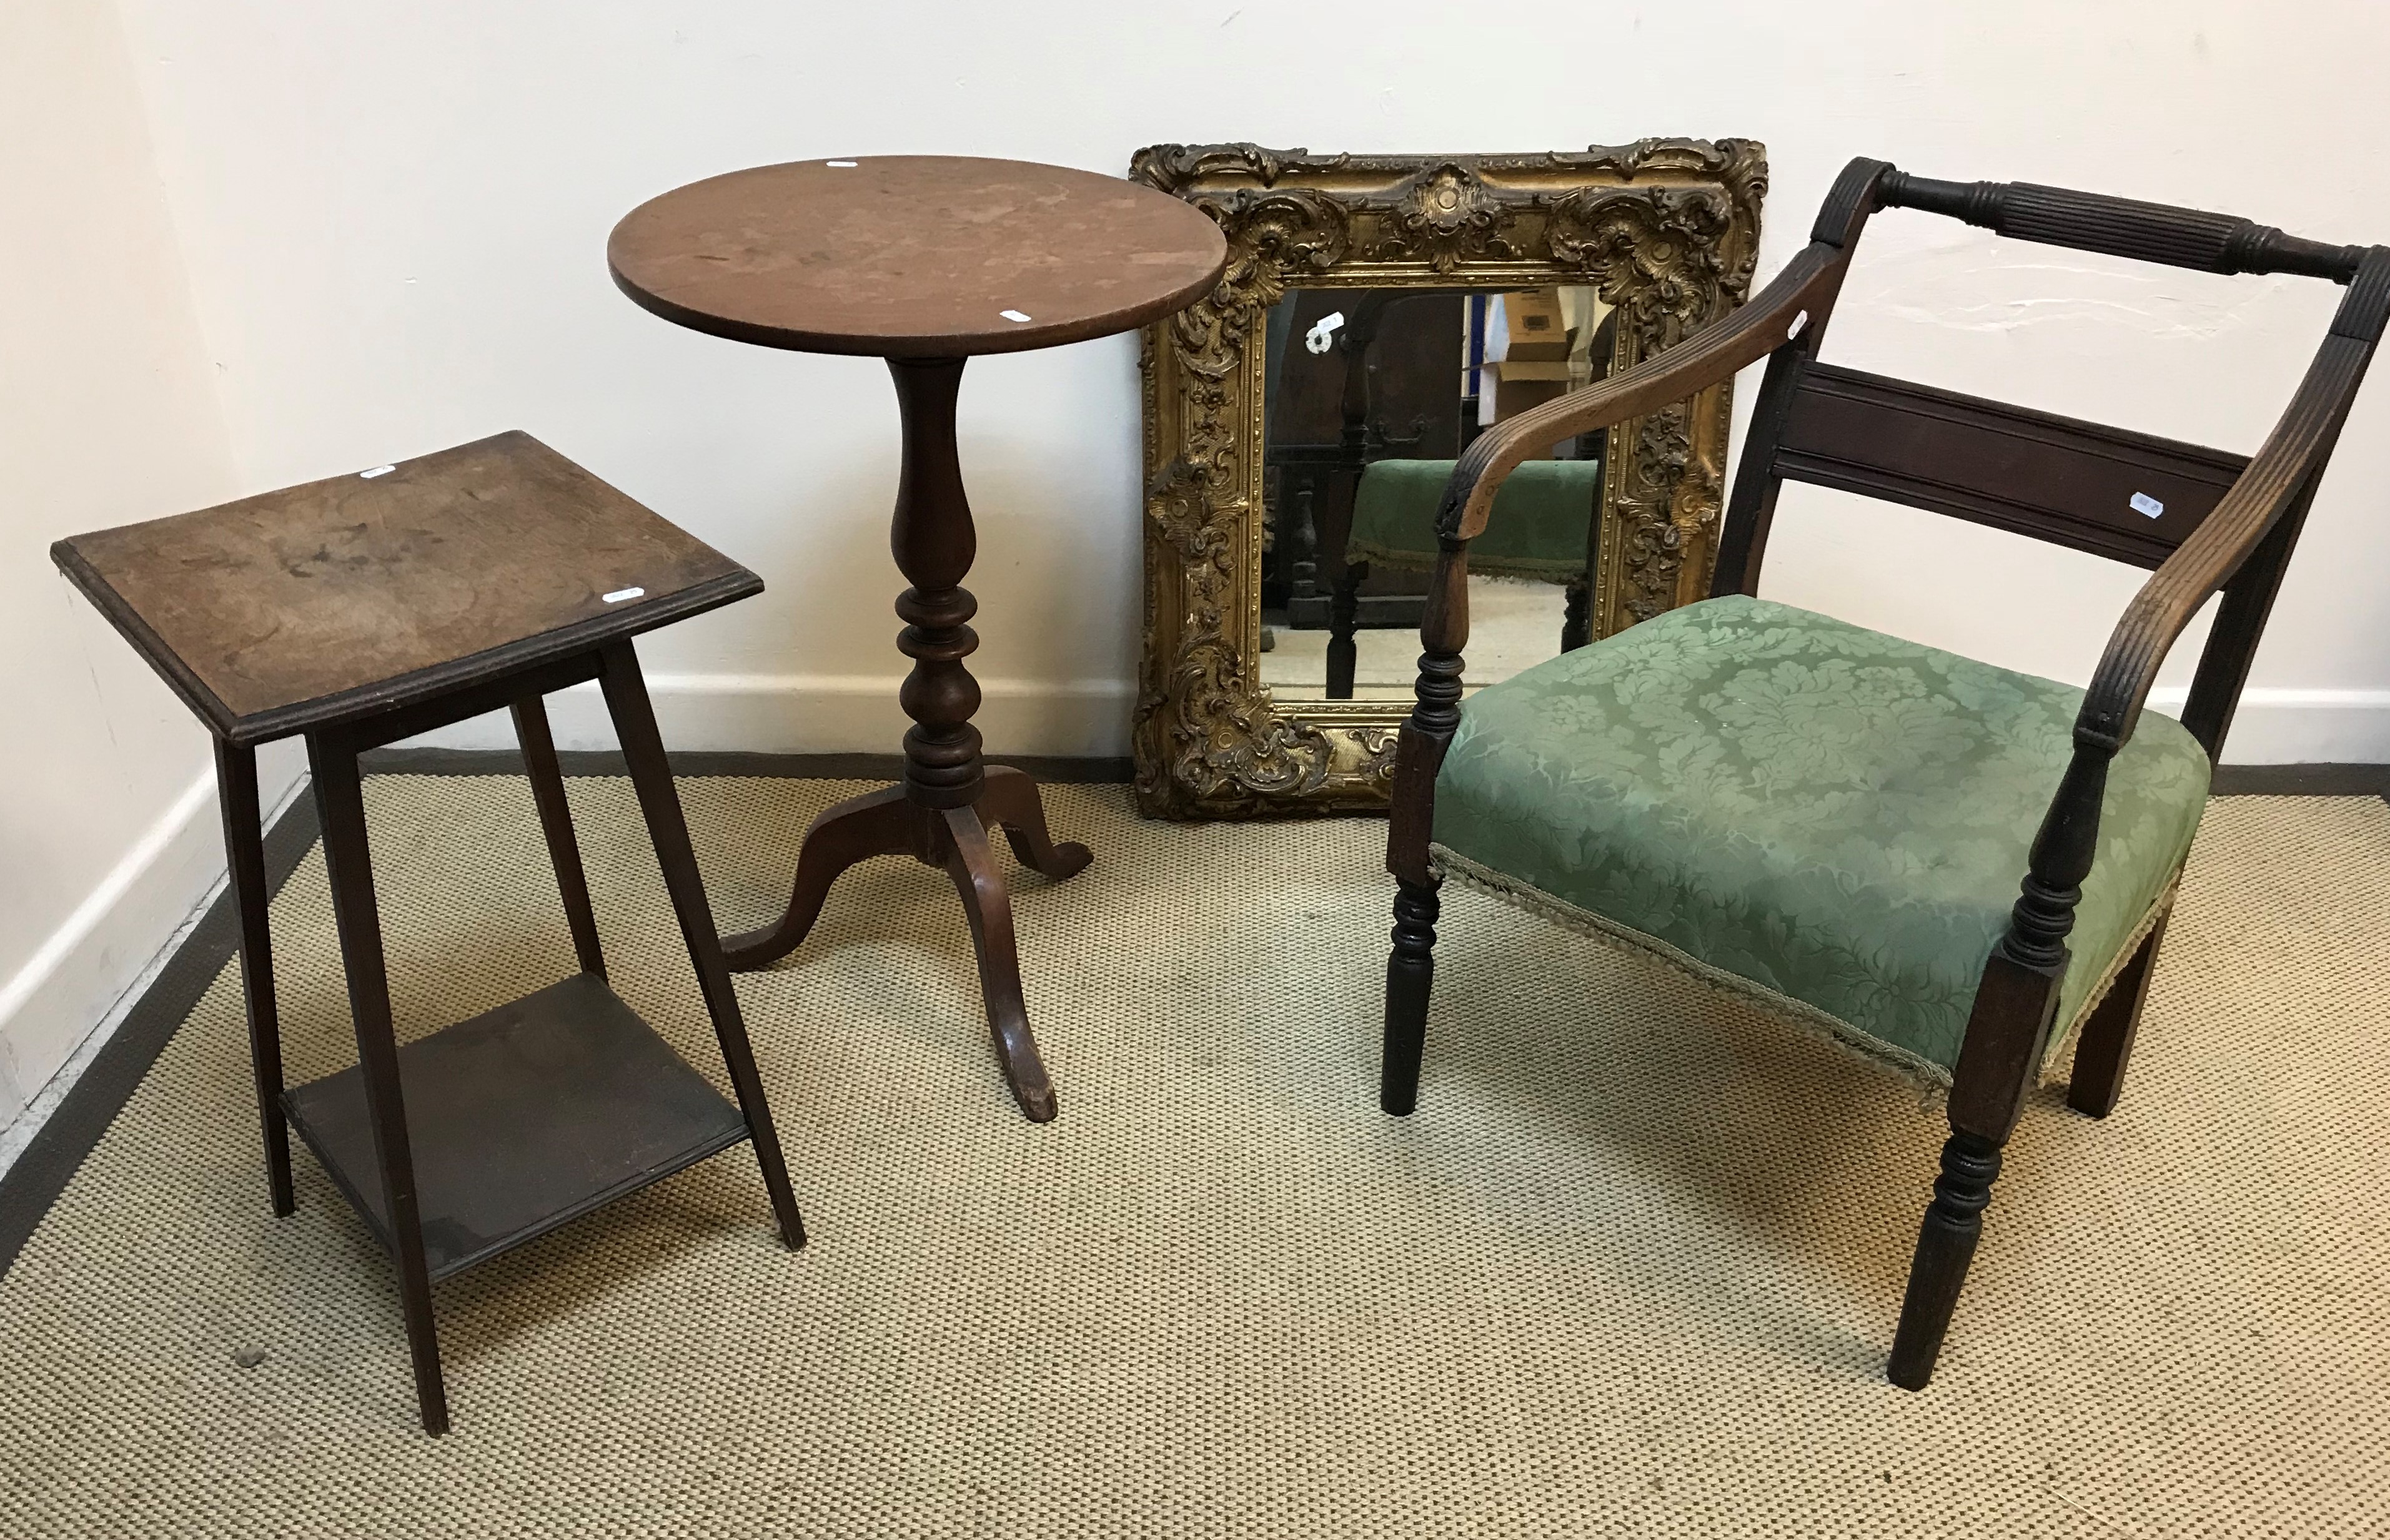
(1666, 231)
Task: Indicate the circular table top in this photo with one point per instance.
(913, 256)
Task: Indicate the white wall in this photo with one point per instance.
(107, 415)
(393, 215)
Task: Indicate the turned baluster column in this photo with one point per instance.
(934, 542)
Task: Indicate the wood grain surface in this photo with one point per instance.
(913, 256)
(315, 593)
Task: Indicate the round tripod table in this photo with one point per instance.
(923, 260)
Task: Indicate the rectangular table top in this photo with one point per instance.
(334, 600)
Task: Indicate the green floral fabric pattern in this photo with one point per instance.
(1542, 521)
(1835, 814)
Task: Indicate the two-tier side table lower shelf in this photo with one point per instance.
(371, 608)
(521, 1119)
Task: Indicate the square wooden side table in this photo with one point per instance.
(370, 607)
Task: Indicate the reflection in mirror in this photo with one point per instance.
(1368, 397)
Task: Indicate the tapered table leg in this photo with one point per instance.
(643, 756)
(339, 800)
(245, 862)
(546, 779)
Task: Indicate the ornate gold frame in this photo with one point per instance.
(1666, 229)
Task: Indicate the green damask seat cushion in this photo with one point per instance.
(1542, 520)
(1836, 816)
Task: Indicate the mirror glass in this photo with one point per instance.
(1369, 395)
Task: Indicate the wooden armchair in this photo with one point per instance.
(1835, 821)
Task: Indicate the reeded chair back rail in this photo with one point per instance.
(2227, 522)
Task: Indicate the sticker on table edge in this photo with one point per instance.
(619, 595)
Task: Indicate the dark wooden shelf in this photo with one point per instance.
(522, 1119)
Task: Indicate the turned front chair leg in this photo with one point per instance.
(245, 862)
(2007, 1030)
(1997, 1062)
(1946, 1246)
(1410, 976)
(339, 800)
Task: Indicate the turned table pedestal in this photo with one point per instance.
(923, 260)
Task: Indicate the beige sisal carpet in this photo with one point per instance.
(1630, 1271)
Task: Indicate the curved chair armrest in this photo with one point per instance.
(1711, 353)
(2283, 471)
(2014, 1002)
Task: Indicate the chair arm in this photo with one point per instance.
(2283, 471)
(2018, 994)
(1711, 353)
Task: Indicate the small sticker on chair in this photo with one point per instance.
(1012, 315)
(378, 471)
(2145, 504)
(619, 595)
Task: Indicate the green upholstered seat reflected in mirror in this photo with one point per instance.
(1542, 525)
(1832, 814)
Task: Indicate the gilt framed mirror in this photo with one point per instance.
(1299, 421)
